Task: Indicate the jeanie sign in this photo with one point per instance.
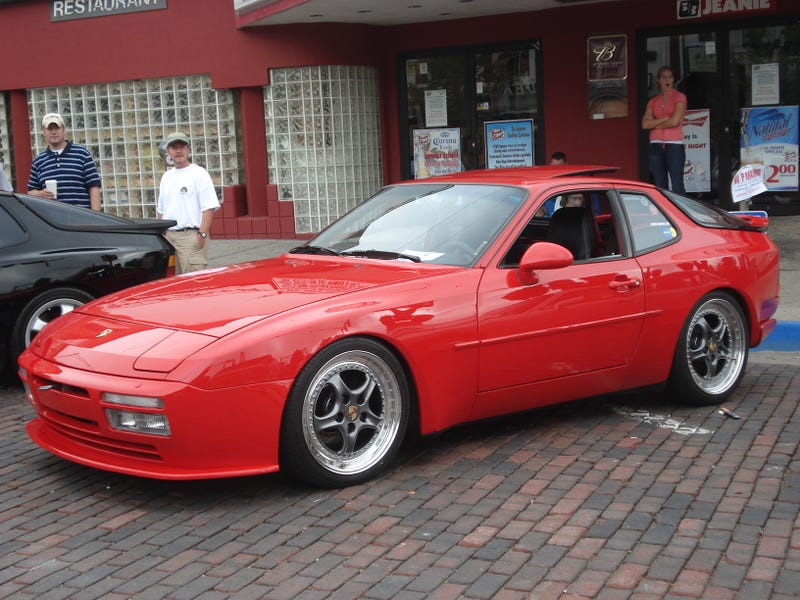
(696, 9)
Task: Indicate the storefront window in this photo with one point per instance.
(123, 123)
(765, 94)
(452, 96)
(751, 48)
(728, 76)
(323, 140)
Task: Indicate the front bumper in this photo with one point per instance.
(213, 433)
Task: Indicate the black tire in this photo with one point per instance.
(712, 350)
(40, 311)
(346, 414)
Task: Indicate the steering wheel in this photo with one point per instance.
(462, 252)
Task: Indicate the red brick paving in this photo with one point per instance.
(610, 499)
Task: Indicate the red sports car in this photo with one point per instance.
(433, 303)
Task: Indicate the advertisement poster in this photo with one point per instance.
(607, 57)
(509, 143)
(770, 138)
(607, 74)
(436, 152)
(697, 141)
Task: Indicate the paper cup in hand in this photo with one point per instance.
(51, 185)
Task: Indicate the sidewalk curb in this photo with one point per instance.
(784, 338)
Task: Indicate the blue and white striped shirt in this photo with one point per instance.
(74, 170)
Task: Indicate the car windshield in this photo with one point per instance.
(448, 224)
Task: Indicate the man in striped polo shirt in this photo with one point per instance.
(69, 164)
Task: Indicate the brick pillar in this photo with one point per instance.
(254, 147)
(21, 126)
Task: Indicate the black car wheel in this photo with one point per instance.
(346, 415)
(711, 354)
(40, 311)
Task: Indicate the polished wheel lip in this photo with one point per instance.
(36, 323)
(716, 341)
(384, 421)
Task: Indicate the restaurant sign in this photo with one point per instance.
(67, 10)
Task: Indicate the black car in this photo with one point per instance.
(54, 257)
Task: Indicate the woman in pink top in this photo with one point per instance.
(663, 118)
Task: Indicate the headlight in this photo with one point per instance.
(138, 422)
(133, 420)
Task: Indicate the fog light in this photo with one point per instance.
(137, 422)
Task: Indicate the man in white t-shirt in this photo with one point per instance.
(187, 195)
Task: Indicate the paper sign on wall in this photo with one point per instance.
(436, 152)
(697, 141)
(509, 143)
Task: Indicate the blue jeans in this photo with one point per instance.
(668, 159)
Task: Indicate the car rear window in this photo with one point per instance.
(704, 214)
(64, 216)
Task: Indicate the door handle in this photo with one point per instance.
(623, 284)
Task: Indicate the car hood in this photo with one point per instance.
(218, 301)
(153, 327)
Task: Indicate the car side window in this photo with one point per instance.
(650, 227)
(582, 221)
(11, 233)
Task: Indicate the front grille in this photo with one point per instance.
(79, 432)
(44, 385)
(71, 412)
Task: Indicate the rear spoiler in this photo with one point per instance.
(588, 170)
(756, 219)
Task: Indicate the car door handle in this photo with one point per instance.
(622, 284)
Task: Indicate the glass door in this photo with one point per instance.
(732, 72)
(447, 98)
(765, 84)
(699, 73)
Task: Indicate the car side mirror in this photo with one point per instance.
(542, 256)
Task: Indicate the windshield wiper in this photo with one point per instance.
(382, 254)
(313, 250)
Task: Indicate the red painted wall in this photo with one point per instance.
(190, 36)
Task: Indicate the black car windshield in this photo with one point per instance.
(64, 216)
(448, 224)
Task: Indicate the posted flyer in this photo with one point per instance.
(770, 138)
(697, 141)
(436, 152)
(509, 143)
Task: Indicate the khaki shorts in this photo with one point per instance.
(188, 255)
